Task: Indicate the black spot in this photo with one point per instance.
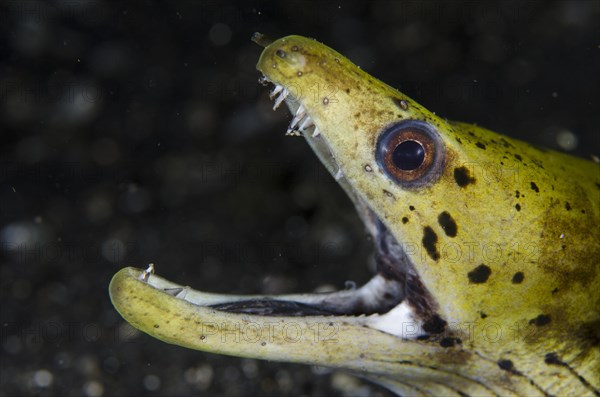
(435, 325)
(463, 177)
(423, 337)
(480, 145)
(429, 242)
(410, 207)
(459, 141)
(156, 326)
(405, 220)
(518, 207)
(583, 211)
(552, 359)
(471, 133)
(483, 315)
(506, 365)
(541, 320)
(518, 157)
(534, 187)
(447, 342)
(480, 274)
(505, 144)
(554, 291)
(518, 278)
(598, 185)
(448, 224)
(538, 163)
(517, 194)
(568, 206)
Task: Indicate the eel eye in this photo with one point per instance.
(410, 153)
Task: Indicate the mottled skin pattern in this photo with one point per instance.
(505, 238)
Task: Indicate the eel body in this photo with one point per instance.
(487, 248)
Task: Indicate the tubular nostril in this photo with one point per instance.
(280, 53)
(261, 39)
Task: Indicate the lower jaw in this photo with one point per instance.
(383, 303)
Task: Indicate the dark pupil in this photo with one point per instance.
(408, 155)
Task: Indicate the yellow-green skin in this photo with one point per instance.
(530, 325)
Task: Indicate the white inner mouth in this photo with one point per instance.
(400, 320)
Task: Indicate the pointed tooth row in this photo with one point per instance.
(301, 120)
(300, 123)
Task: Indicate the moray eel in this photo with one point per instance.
(487, 251)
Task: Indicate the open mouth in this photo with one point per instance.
(393, 297)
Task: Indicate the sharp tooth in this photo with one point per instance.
(306, 123)
(280, 98)
(297, 118)
(178, 292)
(300, 112)
(275, 91)
(173, 291)
(339, 174)
(316, 132)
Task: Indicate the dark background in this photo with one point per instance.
(136, 132)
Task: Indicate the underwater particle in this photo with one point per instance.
(151, 382)
(93, 389)
(567, 140)
(220, 34)
(43, 378)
